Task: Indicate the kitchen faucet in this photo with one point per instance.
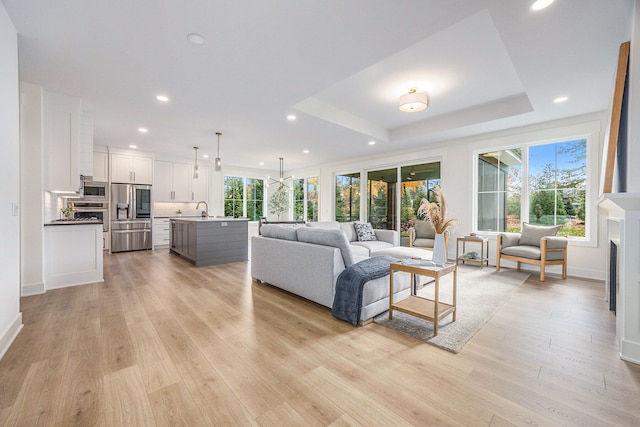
(206, 208)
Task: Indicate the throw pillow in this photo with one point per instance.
(531, 234)
(365, 232)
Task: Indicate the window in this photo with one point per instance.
(417, 183)
(305, 199)
(414, 183)
(555, 193)
(255, 198)
(557, 186)
(381, 191)
(499, 190)
(243, 197)
(348, 197)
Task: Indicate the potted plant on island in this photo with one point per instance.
(436, 213)
(179, 212)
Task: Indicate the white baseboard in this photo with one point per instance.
(630, 351)
(34, 289)
(10, 335)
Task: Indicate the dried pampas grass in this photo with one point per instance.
(437, 211)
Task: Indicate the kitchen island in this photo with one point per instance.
(72, 253)
(210, 241)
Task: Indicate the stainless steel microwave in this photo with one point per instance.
(96, 190)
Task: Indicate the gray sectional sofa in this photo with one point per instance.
(306, 260)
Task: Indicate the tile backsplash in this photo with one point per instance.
(52, 206)
(168, 209)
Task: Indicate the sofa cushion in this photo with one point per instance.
(531, 252)
(325, 237)
(349, 231)
(359, 252)
(424, 230)
(279, 232)
(364, 231)
(372, 245)
(333, 225)
(531, 234)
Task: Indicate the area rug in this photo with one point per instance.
(481, 292)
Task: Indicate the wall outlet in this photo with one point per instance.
(15, 209)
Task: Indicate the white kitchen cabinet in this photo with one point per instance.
(200, 185)
(174, 182)
(161, 232)
(129, 169)
(60, 140)
(100, 166)
(86, 143)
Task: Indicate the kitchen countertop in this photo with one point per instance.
(210, 219)
(63, 222)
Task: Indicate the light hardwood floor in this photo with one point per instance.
(163, 343)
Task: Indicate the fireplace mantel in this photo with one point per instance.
(623, 227)
(618, 203)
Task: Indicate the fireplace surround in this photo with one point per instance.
(623, 231)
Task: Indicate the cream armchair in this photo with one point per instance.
(423, 235)
(536, 245)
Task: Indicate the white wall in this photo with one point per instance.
(31, 196)
(633, 183)
(10, 316)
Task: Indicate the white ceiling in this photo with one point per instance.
(339, 65)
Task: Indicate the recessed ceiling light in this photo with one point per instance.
(291, 117)
(305, 151)
(195, 38)
(541, 4)
(560, 99)
(261, 163)
(372, 143)
(206, 156)
(162, 98)
(143, 130)
(133, 146)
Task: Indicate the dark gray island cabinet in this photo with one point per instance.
(210, 241)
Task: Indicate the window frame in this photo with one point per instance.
(590, 131)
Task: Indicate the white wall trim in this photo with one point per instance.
(34, 289)
(7, 338)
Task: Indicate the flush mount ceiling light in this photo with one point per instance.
(196, 173)
(541, 4)
(143, 130)
(291, 117)
(282, 179)
(561, 99)
(195, 38)
(162, 98)
(218, 163)
(414, 101)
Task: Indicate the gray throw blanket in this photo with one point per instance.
(347, 303)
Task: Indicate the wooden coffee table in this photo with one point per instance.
(425, 308)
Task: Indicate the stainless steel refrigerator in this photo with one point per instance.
(130, 217)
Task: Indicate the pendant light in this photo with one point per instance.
(282, 179)
(218, 163)
(196, 172)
